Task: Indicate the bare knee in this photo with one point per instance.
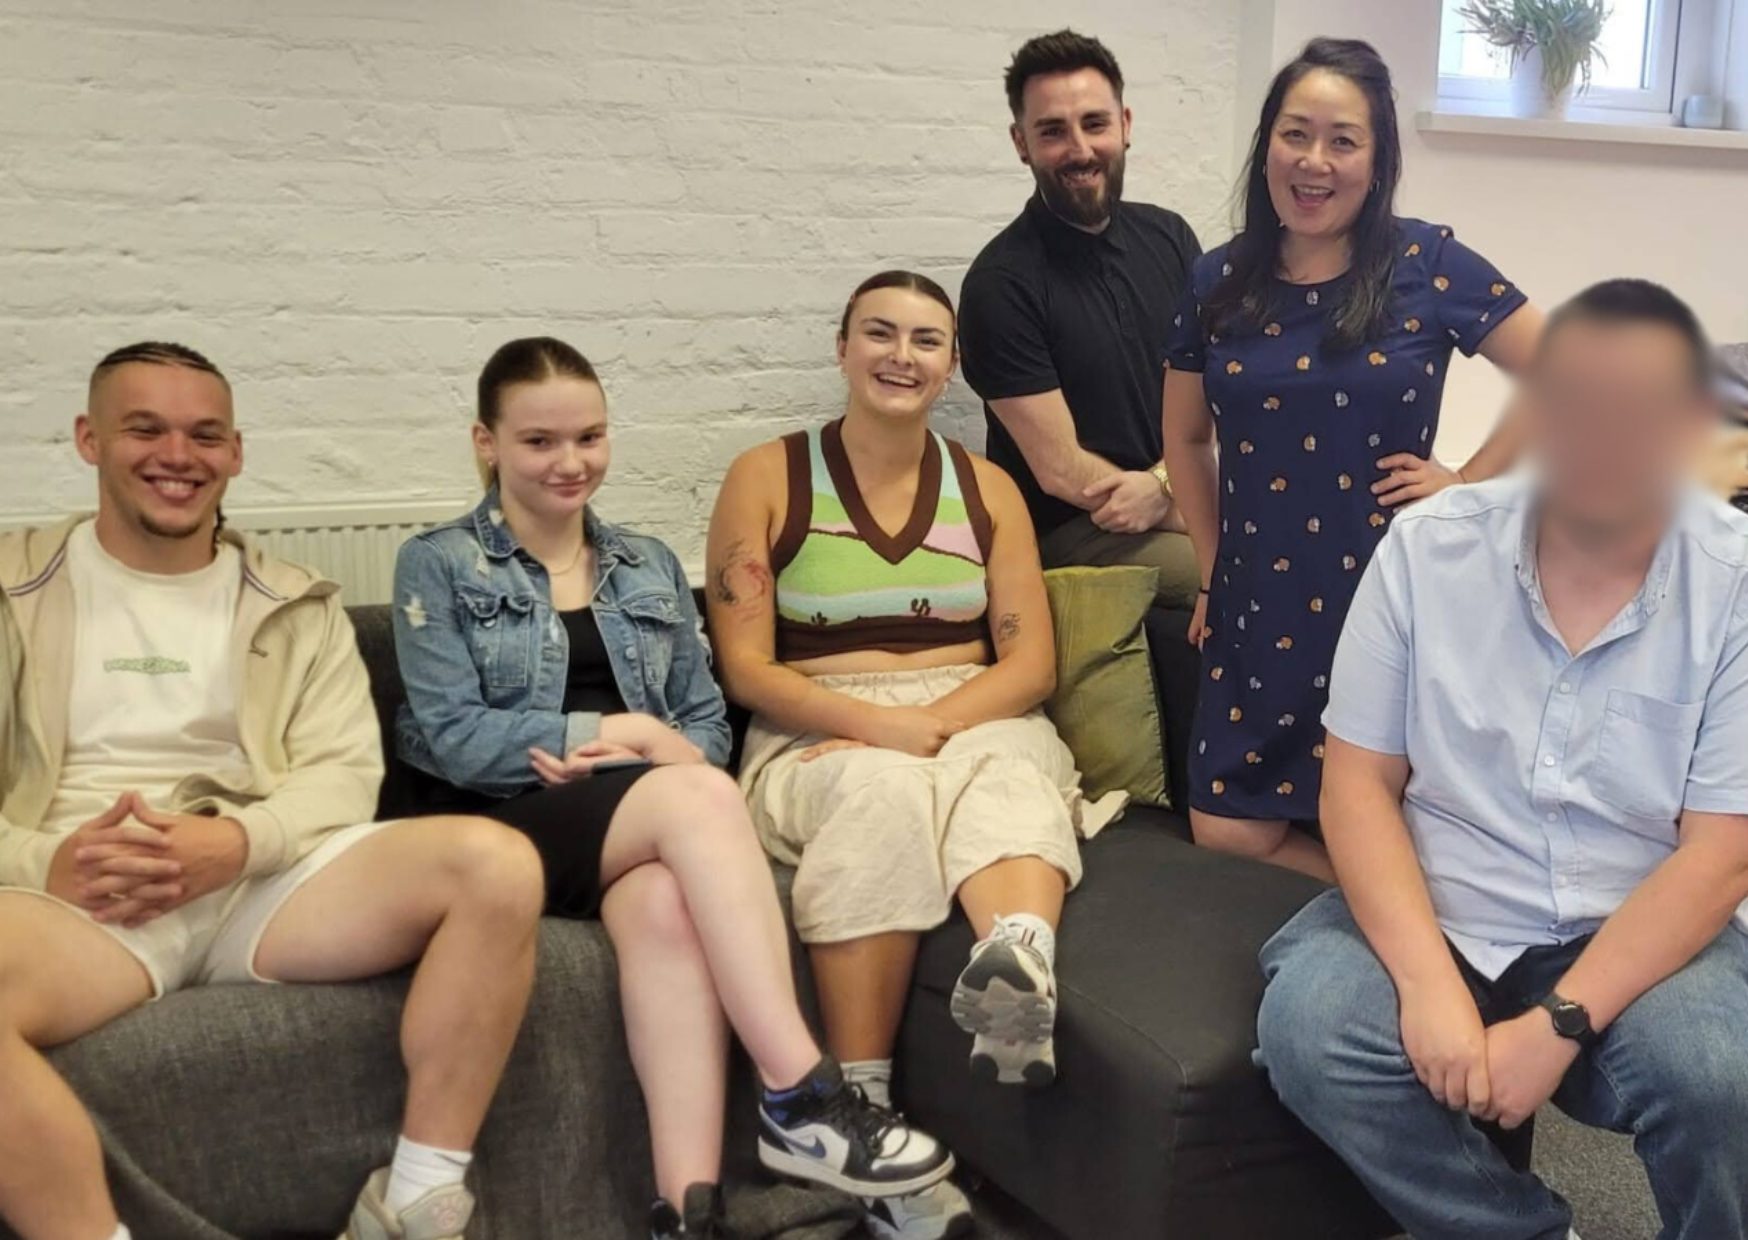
(702, 804)
(494, 866)
(1239, 836)
(647, 907)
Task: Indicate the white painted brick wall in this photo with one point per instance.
(350, 203)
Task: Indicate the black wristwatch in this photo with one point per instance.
(1571, 1020)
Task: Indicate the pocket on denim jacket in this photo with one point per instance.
(502, 635)
(657, 621)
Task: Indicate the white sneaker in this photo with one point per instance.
(938, 1213)
(441, 1214)
(1007, 997)
(826, 1131)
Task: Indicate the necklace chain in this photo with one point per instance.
(575, 560)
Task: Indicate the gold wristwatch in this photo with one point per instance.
(1164, 479)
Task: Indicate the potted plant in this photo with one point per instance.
(1553, 44)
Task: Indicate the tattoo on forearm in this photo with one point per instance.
(740, 579)
(1008, 627)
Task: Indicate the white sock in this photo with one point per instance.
(122, 1233)
(875, 1078)
(418, 1169)
(1031, 928)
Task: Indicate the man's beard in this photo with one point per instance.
(1088, 206)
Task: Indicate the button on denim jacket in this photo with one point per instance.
(484, 656)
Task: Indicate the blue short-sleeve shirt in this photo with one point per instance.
(1545, 786)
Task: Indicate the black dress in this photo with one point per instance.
(567, 824)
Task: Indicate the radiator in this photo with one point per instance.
(354, 545)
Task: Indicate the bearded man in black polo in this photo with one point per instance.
(1063, 324)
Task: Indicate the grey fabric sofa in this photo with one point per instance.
(245, 1112)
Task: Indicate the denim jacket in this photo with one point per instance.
(484, 656)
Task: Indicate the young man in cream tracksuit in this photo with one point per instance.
(189, 762)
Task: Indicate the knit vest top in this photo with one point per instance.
(844, 584)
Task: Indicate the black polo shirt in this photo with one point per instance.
(1047, 306)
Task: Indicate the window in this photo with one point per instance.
(1638, 42)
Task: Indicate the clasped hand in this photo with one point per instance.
(132, 864)
(916, 730)
(1502, 1073)
(1130, 502)
(625, 736)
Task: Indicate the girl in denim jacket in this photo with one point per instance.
(556, 680)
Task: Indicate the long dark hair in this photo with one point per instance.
(897, 279)
(1245, 298)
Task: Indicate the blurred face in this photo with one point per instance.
(165, 446)
(899, 352)
(1320, 156)
(1615, 419)
(549, 445)
(1073, 133)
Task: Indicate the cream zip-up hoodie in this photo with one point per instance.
(304, 710)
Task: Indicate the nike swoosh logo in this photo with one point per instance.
(813, 1149)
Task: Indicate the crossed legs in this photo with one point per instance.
(692, 911)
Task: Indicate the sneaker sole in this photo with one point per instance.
(1033, 1069)
(997, 999)
(786, 1163)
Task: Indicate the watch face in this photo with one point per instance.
(1570, 1020)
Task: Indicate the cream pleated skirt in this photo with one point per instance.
(881, 840)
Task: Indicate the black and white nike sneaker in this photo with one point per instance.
(702, 1219)
(825, 1131)
(1007, 997)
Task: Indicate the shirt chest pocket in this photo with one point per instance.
(655, 623)
(1642, 757)
(502, 634)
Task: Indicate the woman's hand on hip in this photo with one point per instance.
(1412, 478)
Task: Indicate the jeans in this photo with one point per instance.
(1672, 1071)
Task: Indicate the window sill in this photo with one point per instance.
(1580, 130)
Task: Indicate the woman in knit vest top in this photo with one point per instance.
(877, 602)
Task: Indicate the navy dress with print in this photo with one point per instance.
(1300, 429)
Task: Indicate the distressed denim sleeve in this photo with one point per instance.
(477, 746)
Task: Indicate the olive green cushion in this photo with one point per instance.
(1104, 705)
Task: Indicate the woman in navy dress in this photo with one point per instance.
(1314, 347)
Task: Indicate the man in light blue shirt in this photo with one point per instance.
(1536, 798)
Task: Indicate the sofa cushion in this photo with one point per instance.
(1159, 1124)
(1104, 705)
(256, 1111)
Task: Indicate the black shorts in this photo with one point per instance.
(567, 824)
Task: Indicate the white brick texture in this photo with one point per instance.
(349, 203)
